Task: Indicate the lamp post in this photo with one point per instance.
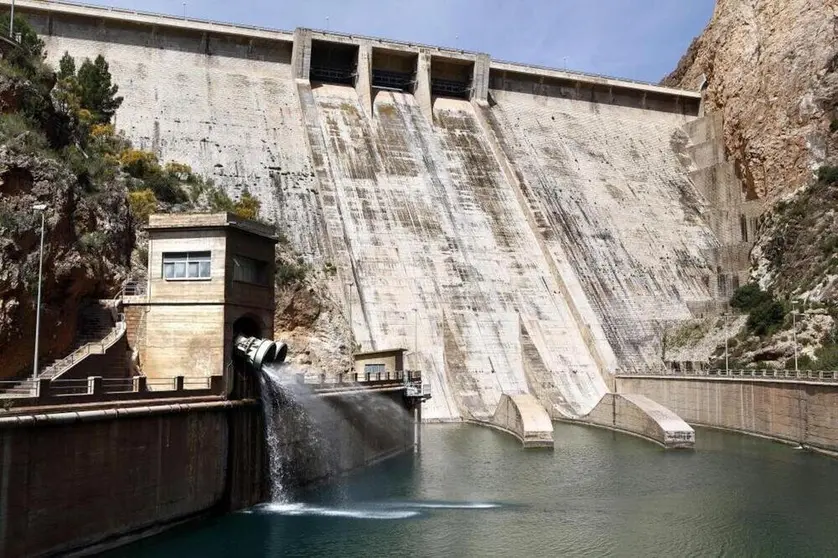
(727, 343)
(12, 22)
(415, 330)
(42, 208)
(349, 299)
(794, 331)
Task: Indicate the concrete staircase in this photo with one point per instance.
(97, 330)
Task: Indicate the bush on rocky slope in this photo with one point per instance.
(57, 147)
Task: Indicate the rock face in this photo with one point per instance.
(315, 328)
(88, 237)
(771, 67)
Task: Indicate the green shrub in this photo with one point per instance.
(748, 297)
(21, 134)
(93, 241)
(14, 221)
(218, 200)
(31, 52)
(289, 273)
(166, 188)
(248, 206)
(142, 203)
(139, 163)
(766, 317)
(828, 175)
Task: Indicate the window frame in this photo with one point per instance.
(199, 257)
(260, 266)
(375, 369)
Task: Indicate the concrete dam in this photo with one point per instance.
(520, 230)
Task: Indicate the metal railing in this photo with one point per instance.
(165, 16)
(69, 387)
(403, 81)
(133, 288)
(44, 391)
(269, 30)
(450, 87)
(397, 376)
(826, 376)
(96, 347)
(332, 75)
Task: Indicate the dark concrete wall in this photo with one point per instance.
(70, 485)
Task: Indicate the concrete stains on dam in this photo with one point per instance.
(533, 245)
(443, 234)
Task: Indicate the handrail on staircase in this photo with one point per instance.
(82, 352)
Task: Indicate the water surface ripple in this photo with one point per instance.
(474, 492)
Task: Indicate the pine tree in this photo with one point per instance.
(98, 94)
(66, 66)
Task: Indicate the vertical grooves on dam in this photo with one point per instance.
(335, 226)
(543, 240)
(616, 202)
(430, 223)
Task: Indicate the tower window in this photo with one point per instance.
(183, 266)
(249, 270)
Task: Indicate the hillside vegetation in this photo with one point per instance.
(58, 147)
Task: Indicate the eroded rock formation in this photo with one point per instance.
(771, 67)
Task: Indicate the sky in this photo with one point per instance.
(635, 39)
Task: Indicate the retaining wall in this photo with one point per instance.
(69, 481)
(796, 412)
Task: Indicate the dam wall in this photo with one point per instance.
(798, 412)
(611, 201)
(431, 227)
(522, 229)
(73, 478)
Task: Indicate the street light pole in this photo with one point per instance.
(42, 208)
(727, 338)
(349, 298)
(794, 332)
(12, 22)
(415, 330)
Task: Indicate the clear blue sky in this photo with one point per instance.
(637, 39)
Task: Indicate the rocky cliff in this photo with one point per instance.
(771, 68)
(88, 229)
(87, 242)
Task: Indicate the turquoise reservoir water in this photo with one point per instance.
(475, 492)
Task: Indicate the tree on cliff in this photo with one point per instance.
(90, 90)
(98, 93)
(32, 47)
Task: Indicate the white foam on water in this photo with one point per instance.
(452, 505)
(299, 509)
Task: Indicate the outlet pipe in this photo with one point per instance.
(258, 352)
